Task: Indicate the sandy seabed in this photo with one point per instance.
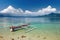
(36, 34)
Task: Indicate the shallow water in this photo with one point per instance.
(45, 27)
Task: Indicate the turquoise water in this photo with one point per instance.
(49, 26)
(45, 23)
(52, 24)
(9, 21)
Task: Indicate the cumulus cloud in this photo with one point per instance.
(27, 11)
(47, 10)
(11, 9)
(43, 11)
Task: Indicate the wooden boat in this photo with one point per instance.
(12, 28)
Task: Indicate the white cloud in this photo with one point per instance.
(27, 11)
(47, 10)
(43, 11)
(11, 9)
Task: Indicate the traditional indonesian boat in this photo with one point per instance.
(12, 28)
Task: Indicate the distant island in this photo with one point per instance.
(49, 15)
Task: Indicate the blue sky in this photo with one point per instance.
(31, 5)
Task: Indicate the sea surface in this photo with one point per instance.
(48, 26)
